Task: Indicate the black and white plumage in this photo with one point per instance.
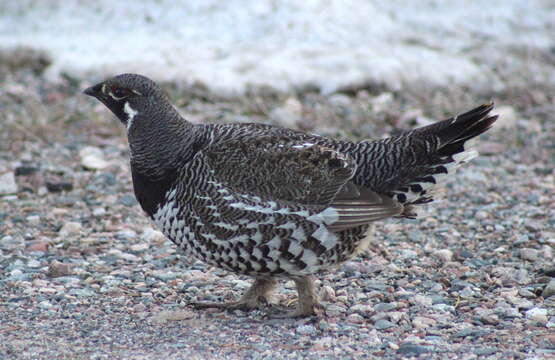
(271, 202)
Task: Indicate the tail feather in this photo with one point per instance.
(446, 149)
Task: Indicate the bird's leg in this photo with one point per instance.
(256, 297)
(308, 303)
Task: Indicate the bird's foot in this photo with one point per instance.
(257, 297)
(308, 304)
(301, 311)
(251, 304)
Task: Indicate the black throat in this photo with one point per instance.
(150, 191)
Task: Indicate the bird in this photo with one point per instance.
(271, 202)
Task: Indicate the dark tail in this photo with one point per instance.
(436, 151)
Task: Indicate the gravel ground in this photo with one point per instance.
(83, 274)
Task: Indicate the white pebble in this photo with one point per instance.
(70, 228)
(537, 314)
(8, 184)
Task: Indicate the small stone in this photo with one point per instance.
(412, 349)
(99, 211)
(70, 228)
(289, 114)
(38, 245)
(58, 185)
(139, 247)
(362, 309)
(128, 200)
(385, 306)
(549, 289)
(547, 252)
(507, 117)
(306, 330)
(129, 257)
(46, 305)
(381, 102)
(529, 254)
(383, 324)
(8, 184)
(153, 236)
(164, 275)
(33, 263)
(327, 293)
(340, 100)
(24, 170)
(165, 316)
(485, 351)
(421, 322)
(355, 319)
(92, 158)
(408, 254)
(537, 314)
(467, 293)
(33, 220)
(422, 300)
(57, 269)
(444, 255)
(126, 234)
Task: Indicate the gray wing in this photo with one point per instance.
(300, 172)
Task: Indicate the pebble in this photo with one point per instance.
(8, 184)
(362, 309)
(38, 245)
(165, 275)
(128, 200)
(421, 322)
(99, 211)
(33, 220)
(306, 330)
(412, 350)
(92, 158)
(383, 324)
(385, 306)
(507, 117)
(153, 236)
(46, 305)
(327, 293)
(444, 255)
(422, 300)
(58, 185)
(57, 269)
(529, 254)
(70, 228)
(537, 314)
(126, 234)
(289, 114)
(549, 289)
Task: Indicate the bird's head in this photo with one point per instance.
(128, 95)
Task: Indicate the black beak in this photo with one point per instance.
(94, 91)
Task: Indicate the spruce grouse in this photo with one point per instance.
(271, 202)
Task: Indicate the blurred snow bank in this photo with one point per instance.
(285, 44)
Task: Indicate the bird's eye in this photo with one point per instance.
(119, 93)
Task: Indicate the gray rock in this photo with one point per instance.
(92, 158)
(383, 324)
(537, 315)
(70, 228)
(8, 184)
(385, 306)
(549, 289)
(529, 254)
(128, 200)
(306, 330)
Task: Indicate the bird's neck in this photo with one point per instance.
(160, 144)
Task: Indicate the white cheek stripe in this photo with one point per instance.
(130, 114)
